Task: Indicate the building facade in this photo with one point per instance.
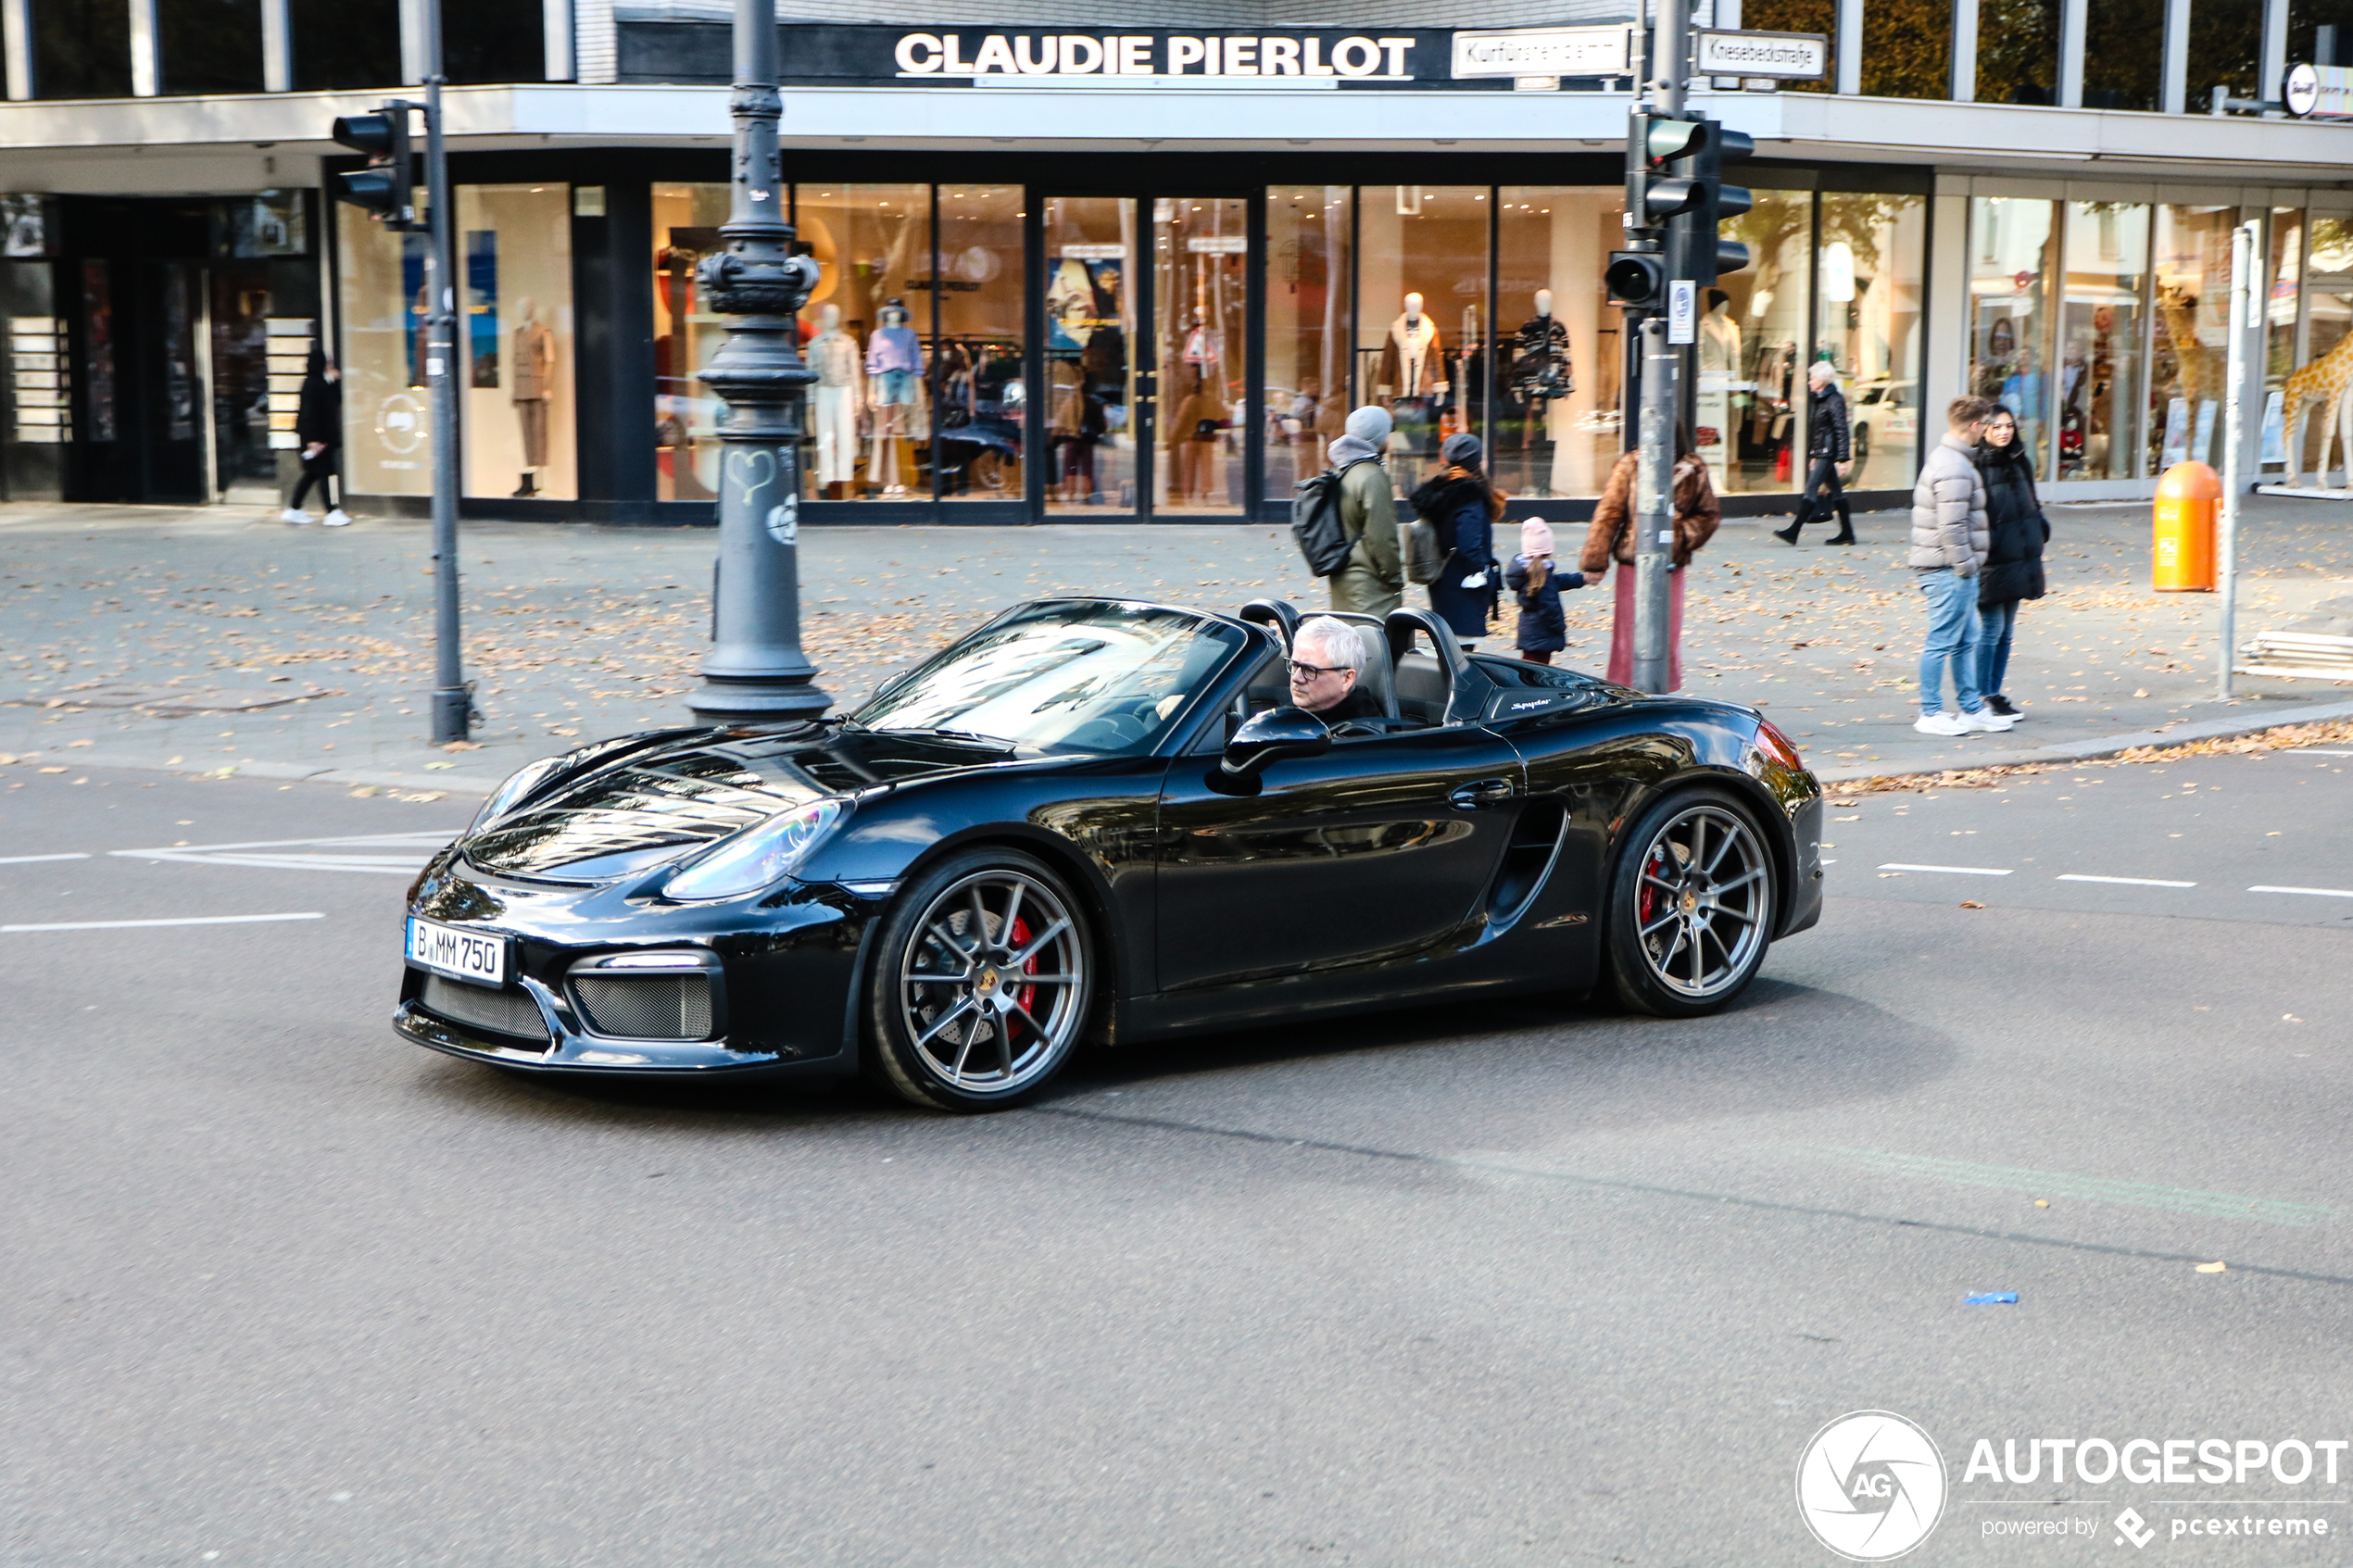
(1141, 268)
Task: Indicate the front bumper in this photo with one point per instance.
(782, 974)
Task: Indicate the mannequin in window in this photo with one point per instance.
(533, 380)
(1541, 367)
(1411, 380)
(894, 361)
(1719, 360)
(841, 388)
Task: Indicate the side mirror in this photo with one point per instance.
(1267, 737)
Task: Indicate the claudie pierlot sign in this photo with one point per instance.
(820, 55)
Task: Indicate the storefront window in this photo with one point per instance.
(868, 329)
(2100, 339)
(1756, 319)
(2124, 45)
(687, 333)
(379, 276)
(515, 340)
(1871, 287)
(1421, 328)
(2285, 269)
(2017, 52)
(978, 385)
(1907, 49)
(1558, 365)
(1307, 329)
(1094, 417)
(1201, 288)
(2328, 287)
(2009, 280)
(2190, 258)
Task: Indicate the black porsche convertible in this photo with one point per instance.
(1099, 818)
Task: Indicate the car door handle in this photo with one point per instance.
(1472, 796)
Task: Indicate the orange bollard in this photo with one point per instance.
(2182, 557)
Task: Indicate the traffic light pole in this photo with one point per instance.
(755, 669)
(1654, 508)
(452, 704)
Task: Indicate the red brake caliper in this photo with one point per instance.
(1027, 994)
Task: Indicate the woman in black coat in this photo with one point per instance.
(1459, 503)
(2015, 534)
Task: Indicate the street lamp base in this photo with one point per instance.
(757, 701)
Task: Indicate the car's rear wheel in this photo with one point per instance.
(982, 978)
(1691, 906)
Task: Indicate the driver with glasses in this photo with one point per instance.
(1327, 661)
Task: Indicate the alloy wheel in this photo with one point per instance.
(992, 983)
(1701, 906)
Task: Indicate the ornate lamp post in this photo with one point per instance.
(755, 669)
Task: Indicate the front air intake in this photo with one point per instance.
(478, 1007)
(652, 1006)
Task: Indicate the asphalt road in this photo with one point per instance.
(1493, 1285)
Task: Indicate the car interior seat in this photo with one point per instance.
(1425, 678)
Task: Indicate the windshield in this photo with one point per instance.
(1083, 677)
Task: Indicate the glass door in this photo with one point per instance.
(1096, 406)
(1199, 302)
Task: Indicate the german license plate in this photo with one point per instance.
(467, 955)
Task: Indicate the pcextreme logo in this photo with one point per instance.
(1870, 1486)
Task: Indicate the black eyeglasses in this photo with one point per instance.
(1310, 671)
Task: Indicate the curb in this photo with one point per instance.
(2103, 746)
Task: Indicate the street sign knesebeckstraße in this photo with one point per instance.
(1785, 56)
(2319, 92)
(1545, 51)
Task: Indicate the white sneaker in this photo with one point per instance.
(292, 514)
(337, 518)
(1941, 724)
(1986, 720)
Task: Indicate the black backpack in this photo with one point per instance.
(1315, 522)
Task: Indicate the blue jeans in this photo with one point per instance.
(1952, 632)
(1995, 623)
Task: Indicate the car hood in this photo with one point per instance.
(659, 802)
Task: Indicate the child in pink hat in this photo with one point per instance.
(1537, 584)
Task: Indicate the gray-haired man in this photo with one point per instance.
(1327, 671)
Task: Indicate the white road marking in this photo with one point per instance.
(193, 919)
(2315, 892)
(1954, 870)
(31, 859)
(2316, 751)
(399, 854)
(2127, 881)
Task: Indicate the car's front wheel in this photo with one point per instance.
(983, 974)
(1691, 906)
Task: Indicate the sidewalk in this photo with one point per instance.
(205, 638)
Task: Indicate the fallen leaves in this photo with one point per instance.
(1971, 904)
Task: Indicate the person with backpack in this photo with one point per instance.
(1355, 493)
(1461, 506)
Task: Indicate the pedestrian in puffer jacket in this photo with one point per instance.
(1948, 546)
(2016, 532)
(1537, 584)
(1459, 503)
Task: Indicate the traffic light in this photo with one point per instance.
(1637, 278)
(385, 190)
(1702, 201)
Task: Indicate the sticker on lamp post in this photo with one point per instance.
(1682, 311)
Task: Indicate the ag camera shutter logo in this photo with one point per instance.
(1870, 1486)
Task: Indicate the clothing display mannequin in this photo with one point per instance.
(841, 388)
(533, 378)
(894, 361)
(1720, 361)
(1411, 362)
(1541, 367)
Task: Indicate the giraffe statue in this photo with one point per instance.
(2193, 360)
(2325, 380)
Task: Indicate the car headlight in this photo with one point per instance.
(759, 856)
(504, 798)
